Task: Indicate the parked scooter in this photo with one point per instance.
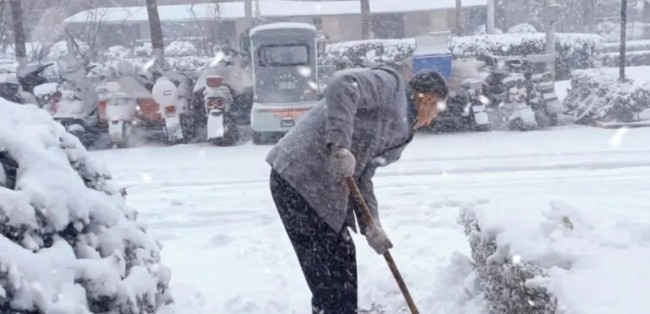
(223, 94)
(74, 103)
(218, 99)
(150, 104)
(520, 99)
(165, 93)
(22, 86)
(10, 88)
(120, 115)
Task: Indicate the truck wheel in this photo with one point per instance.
(260, 138)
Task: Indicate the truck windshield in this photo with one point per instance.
(284, 55)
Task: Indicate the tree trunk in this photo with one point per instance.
(248, 13)
(19, 32)
(365, 19)
(460, 23)
(490, 16)
(157, 42)
(623, 56)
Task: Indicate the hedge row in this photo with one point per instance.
(574, 51)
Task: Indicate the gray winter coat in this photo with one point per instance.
(364, 111)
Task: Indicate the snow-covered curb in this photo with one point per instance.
(68, 241)
(560, 260)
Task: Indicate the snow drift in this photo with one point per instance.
(68, 241)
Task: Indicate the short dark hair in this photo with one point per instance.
(430, 82)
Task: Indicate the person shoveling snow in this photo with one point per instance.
(365, 121)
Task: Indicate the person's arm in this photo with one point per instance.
(342, 99)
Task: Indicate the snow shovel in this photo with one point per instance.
(366, 218)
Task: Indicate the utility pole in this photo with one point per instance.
(19, 32)
(551, 11)
(365, 19)
(248, 13)
(157, 42)
(459, 18)
(622, 58)
(490, 16)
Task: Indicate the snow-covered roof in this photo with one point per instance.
(275, 8)
(275, 26)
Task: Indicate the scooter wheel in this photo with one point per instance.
(543, 120)
(516, 125)
(483, 128)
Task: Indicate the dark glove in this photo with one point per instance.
(343, 162)
(377, 239)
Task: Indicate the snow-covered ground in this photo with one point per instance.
(229, 253)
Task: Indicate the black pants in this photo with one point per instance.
(327, 257)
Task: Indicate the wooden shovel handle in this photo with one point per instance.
(366, 218)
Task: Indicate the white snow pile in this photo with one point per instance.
(117, 53)
(37, 51)
(522, 28)
(557, 260)
(180, 49)
(597, 95)
(368, 53)
(68, 241)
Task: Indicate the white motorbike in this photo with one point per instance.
(75, 101)
(172, 105)
(120, 115)
(68, 108)
(218, 99)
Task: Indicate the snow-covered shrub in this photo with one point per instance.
(180, 49)
(189, 64)
(523, 28)
(598, 96)
(68, 241)
(557, 259)
(368, 53)
(573, 51)
(505, 278)
(117, 53)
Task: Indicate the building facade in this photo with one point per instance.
(339, 22)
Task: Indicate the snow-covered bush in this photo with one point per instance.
(368, 53)
(117, 53)
(523, 28)
(573, 51)
(503, 275)
(557, 259)
(68, 241)
(598, 96)
(180, 49)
